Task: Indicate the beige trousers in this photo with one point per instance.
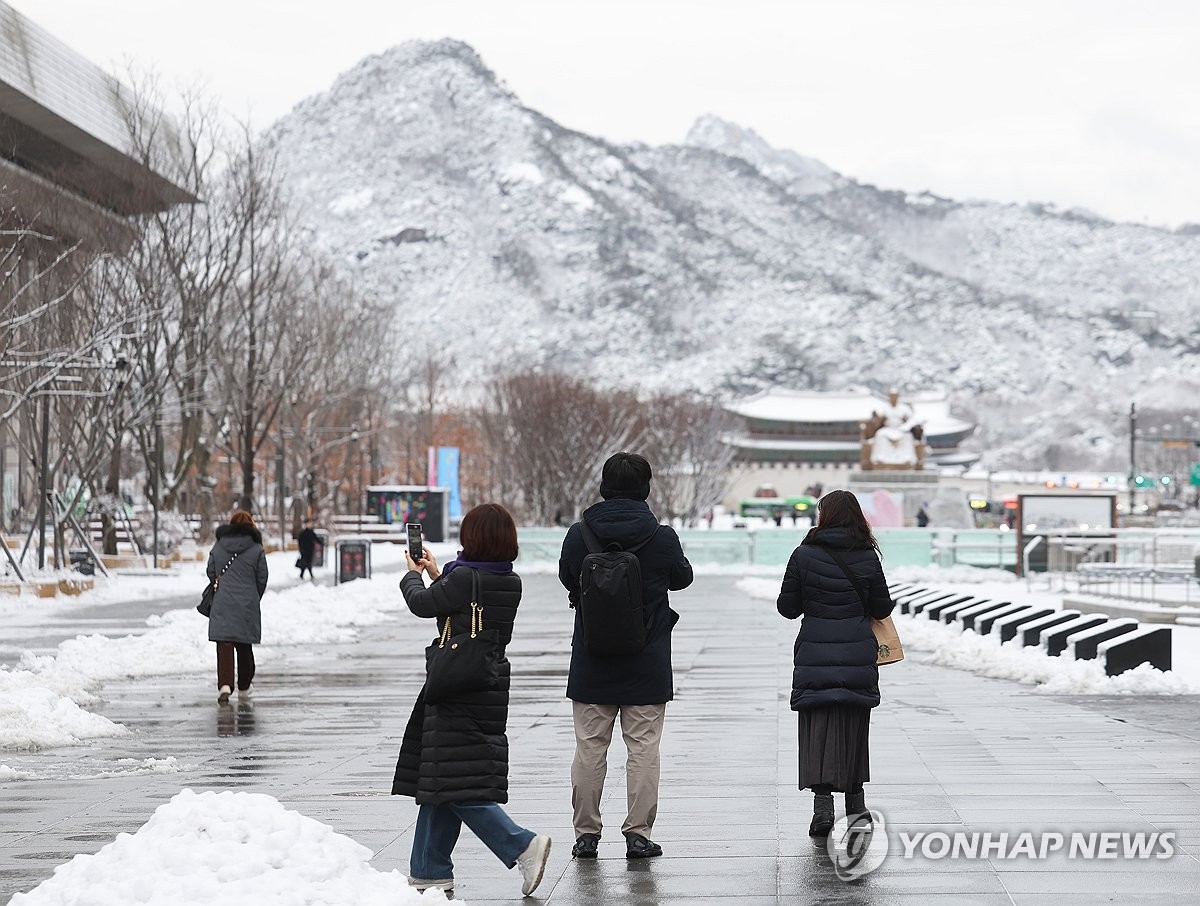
(641, 727)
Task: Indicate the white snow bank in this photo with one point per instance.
(221, 848)
(125, 767)
(950, 645)
(40, 699)
(958, 575)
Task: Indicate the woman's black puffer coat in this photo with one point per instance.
(835, 649)
(457, 751)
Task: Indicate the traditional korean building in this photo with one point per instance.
(793, 439)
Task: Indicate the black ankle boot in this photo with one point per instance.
(856, 805)
(822, 822)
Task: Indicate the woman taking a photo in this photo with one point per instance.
(454, 756)
(238, 567)
(834, 580)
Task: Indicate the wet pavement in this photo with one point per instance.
(951, 752)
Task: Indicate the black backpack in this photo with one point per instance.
(610, 597)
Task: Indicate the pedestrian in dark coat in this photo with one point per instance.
(306, 541)
(835, 682)
(637, 686)
(238, 566)
(454, 755)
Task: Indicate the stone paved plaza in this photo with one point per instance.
(950, 752)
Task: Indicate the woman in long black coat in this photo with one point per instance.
(834, 580)
(454, 756)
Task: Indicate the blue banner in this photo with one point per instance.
(447, 477)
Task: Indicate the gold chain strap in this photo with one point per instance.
(476, 624)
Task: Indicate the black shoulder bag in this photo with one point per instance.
(469, 662)
(210, 591)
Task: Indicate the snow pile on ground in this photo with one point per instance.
(961, 574)
(222, 848)
(40, 699)
(33, 715)
(952, 646)
(125, 767)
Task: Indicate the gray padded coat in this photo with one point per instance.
(236, 616)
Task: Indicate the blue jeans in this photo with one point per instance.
(437, 832)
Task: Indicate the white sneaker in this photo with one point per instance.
(244, 695)
(532, 863)
(446, 885)
(223, 697)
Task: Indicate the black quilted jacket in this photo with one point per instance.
(835, 649)
(458, 751)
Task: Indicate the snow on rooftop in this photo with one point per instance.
(932, 408)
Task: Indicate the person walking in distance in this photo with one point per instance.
(238, 566)
(835, 581)
(306, 541)
(617, 565)
(454, 755)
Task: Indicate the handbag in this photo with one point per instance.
(463, 663)
(210, 590)
(887, 639)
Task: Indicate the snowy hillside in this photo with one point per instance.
(728, 265)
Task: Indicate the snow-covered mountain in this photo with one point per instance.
(728, 265)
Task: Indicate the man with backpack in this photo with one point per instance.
(617, 565)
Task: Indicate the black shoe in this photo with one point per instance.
(822, 822)
(638, 847)
(586, 847)
(856, 807)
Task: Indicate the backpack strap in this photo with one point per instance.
(595, 546)
(841, 562)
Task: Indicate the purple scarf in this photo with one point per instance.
(499, 569)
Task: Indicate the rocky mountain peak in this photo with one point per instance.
(727, 265)
(803, 175)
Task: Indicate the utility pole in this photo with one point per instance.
(1132, 455)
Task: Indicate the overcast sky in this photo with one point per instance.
(1086, 103)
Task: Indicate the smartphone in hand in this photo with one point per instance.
(415, 549)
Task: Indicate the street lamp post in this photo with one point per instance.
(358, 475)
(1132, 455)
(43, 480)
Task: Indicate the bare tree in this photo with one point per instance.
(550, 434)
(686, 440)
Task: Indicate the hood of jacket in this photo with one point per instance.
(237, 538)
(622, 520)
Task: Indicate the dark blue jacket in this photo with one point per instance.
(643, 678)
(835, 649)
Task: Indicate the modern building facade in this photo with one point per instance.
(71, 180)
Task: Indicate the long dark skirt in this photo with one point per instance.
(835, 747)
